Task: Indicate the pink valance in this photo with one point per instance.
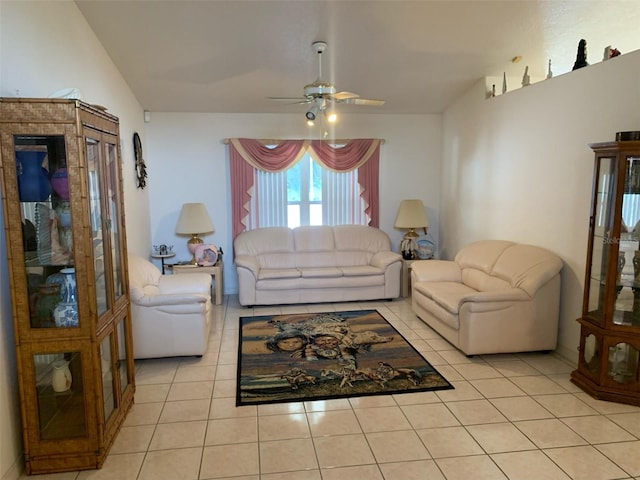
(247, 154)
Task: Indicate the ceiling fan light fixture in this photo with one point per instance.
(331, 115)
(313, 112)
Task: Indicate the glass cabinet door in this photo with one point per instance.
(43, 191)
(104, 184)
(602, 218)
(94, 170)
(60, 395)
(113, 212)
(627, 306)
(124, 355)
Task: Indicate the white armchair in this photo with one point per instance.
(171, 314)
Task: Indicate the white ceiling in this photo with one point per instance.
(229, 56)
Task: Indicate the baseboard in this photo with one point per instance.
(15, 470)
(568, 354)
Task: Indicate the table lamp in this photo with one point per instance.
(411, 215)
(194, 220)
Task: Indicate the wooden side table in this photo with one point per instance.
(215, 271)
(405, 278)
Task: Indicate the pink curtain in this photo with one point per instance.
(246, 155)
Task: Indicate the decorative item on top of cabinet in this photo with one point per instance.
(609, 351)
(70, 264)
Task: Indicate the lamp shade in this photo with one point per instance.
(411, 215)
(194, 219)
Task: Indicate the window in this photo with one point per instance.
(308, 194)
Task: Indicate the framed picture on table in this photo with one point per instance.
(206, 255)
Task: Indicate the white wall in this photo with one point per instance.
(519, 167)
(44, 47)
(188, 162)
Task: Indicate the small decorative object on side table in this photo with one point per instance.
(162, 252)
(214, 270)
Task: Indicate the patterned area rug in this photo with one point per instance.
(317, 356)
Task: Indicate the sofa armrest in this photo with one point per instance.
(435, 271)
(510, 295)
(385, 258)
(248, 262)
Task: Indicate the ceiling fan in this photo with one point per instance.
(320, 94)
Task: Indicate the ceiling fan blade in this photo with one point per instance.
(289, 99)
(362, 101)
(292, 100)
(344, 95)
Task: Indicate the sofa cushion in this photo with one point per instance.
(314, 283)
(271, 239)
(484, 282)
(361, 270)
(314, 259)
(528, 267)
(322, 272)
(360, 238)
(448, 295)
(266, 273)
(313, 238)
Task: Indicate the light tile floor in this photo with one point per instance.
(515, 417)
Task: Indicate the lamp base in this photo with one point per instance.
(192, 244)
(409, 245)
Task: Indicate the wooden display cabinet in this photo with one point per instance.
(608, 366)
(66, 249)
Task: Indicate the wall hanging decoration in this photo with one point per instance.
(141, 168)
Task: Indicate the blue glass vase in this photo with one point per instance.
(33, 179)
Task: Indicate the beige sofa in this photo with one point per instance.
(171, 314)
(315, 264)
(495, 297)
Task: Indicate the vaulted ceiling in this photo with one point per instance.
(230, 56)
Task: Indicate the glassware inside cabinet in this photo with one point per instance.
(591, 353)
(623, 363)
(60, 395)
(47, 235)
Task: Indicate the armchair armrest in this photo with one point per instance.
(248, 262)
(435, 271)
(164, 300)
(385, 258)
